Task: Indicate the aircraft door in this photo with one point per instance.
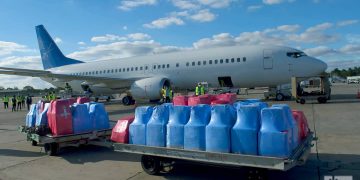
(268, 59)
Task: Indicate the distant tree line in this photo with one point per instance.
(346, 72)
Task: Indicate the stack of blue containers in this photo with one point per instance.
(248, 127)
(218, 130)
(294, 130)
(41, 119)
(194, 130)
(244, 134)
(99, 116)
(178, 117)
(156, 127)
(31, 116)
(274, 135)
(137, 129)
(81, 119)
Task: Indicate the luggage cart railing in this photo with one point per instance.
(298, 157)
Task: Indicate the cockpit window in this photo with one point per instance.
(295, 54)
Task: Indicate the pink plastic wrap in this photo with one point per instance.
(180, 100)
(120, 133)
(60, 118)
(82, 100)
(302, 123)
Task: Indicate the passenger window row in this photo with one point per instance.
(216, 61)
(163, 66)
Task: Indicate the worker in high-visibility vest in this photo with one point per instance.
(171, 95)
(6, 102)
(163, 94)
(53, 96)
(167, 94)
(199, 90)
(18, 102)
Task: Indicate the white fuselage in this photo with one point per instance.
(248, 66)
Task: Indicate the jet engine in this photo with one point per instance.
(149, 88)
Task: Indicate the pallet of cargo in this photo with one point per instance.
(52, 144)
(155, 159)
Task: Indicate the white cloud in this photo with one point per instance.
(164, 22)
(81, 43)
(319, 51)
(185, 4)
(320, 27)
(215, 3)
(289, 28)
(139, 36)
(254, 8)
(57, 40)
(128, 5)
(8, 48)
(347, 22)
(203, 16)
(107, 38)
(315, 34)
(353, 38)
(271, 2)
(350, 48)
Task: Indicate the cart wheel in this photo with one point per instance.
(322, 100)
(51, 149)
(33, 143)
(302, 101)
(279, 97)
(256, 173)
(150, 164)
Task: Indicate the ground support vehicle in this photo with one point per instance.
(52, 144)
(321, 93)
(162, 159)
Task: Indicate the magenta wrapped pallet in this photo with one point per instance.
(180, 100)
(203, 99)
(230, 98)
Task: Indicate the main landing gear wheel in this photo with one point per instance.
(150, 164)
(128, 100)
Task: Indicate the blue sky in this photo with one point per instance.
(101, 29)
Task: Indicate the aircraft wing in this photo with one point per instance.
(63, 77)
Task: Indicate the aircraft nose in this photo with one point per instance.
(319, 65)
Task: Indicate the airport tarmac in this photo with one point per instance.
(336, 123)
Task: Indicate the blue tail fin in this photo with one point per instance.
(50, 54)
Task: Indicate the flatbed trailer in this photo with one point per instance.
(52, 144)
(156, 159)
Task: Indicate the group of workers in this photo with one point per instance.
(18, 102)
(168, 94)
(50, 96)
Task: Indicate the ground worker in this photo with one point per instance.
(13, 100)
(18, 101)
(28, 101)
(171, 95)
(6, 102)
(22, 101)
(53, 96)
(167, 94)
(199, 90)
(163, 94)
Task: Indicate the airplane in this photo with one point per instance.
(143, 77)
